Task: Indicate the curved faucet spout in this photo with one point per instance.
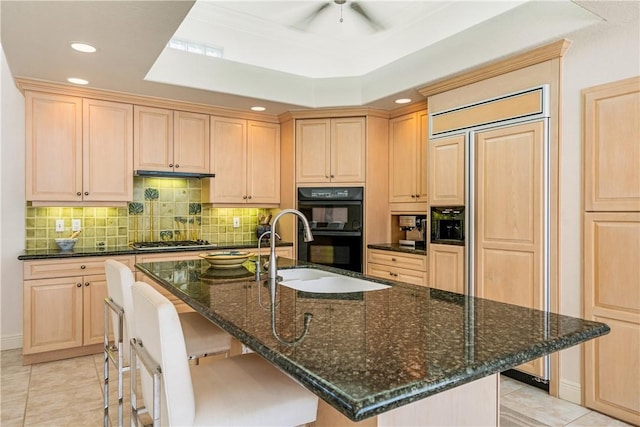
(273, 268)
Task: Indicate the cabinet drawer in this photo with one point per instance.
(396, 259)
(45, 269)
(398, 274)
(170, 256)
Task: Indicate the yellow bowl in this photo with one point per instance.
(226, 259)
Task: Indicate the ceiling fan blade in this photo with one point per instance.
(305, 22)
(375, 24)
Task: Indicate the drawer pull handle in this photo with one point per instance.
(82, 267)
(79, 285)
(393, 259)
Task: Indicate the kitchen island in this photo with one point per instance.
(400, 355)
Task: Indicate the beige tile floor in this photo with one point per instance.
(70, 393)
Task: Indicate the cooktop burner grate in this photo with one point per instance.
(172, 244)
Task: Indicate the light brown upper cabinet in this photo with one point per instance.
(611, 135)
(245, 157)
(446, 171)
(330, 150)
(170, 141)
(77, 150)
(408, 158)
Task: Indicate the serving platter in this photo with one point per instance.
(226, 259)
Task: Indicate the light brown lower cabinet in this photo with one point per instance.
(63, 307)
(612, 296)
(399, 266)
(446, 267)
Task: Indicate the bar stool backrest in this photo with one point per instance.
(157, 326)
(119, 282)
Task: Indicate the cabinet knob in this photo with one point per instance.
(417, 196)
(326, 176)
(413, 196)
(78, 194)
(244, 197)
(177, 165)
(79, 285)
(393, 259)
(86, 193)
(249, 197)
(333, 176)
(86, 283)
(82, 267)
(170, 165)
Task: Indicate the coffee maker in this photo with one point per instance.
(414, 229)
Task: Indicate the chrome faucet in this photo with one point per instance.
(258, 263)
(273, 268)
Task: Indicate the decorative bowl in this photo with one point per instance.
(226, 259)
(66, 244)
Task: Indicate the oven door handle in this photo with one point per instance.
(328, 203)
(336, 233)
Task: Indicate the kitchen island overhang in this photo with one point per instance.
(368, 353)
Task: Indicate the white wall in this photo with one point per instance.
(594, 58)
(12, 208)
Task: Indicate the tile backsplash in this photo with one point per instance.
(162, 209)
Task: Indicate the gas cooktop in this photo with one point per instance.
(172, 244)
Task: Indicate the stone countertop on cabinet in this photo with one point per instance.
(395, 247)
(370, 352)
(34, 254)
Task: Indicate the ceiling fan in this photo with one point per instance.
(355, 6)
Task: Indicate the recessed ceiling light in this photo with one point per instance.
(83, 47)
(77, 81)
(403, 101)
(256, 108)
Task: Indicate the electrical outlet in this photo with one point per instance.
(59, 224)
(76, 225)
(236, 222)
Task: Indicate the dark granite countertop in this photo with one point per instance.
(127, 250)
(370, 352)
(398, 248)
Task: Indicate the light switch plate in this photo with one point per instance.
(236, 222)
(76, 224)
(59, 224)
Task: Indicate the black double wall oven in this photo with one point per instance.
(335, 216)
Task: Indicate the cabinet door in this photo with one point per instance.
(612, 146)
(52, 315)
(509, 218)
(94, 293)
(313, 150)
(190, 142)
(228, 161)
(402, 158)
(446, 267)
(612, 295)
(53, 147)
(107, 151)
(446, 171)
(347, 150)
(263, 163)
(153, 139)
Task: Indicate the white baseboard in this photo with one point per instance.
(9, 342)
(571, 391)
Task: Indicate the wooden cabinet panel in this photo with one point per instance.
(78, 150)
(612, 295)
(390, 265)
(190, 142)
(263, 162)
(446, 268)
(63, 305)
(408, 158)
(313, 150)
(612, 146)
(510, 213)
(330, 150)
(107, 151)
(246, 160)
(53, 147)
(447, 171)
(153, 139)
(52, 314)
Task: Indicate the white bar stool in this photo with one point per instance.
(243, 390)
